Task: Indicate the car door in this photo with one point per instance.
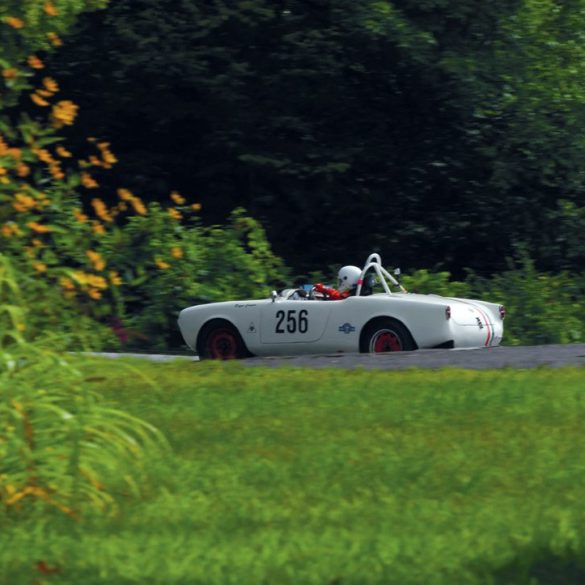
(294, 321)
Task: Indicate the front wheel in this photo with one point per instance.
(386, 335)
(221, 341)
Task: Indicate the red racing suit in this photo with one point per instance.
(330, 293)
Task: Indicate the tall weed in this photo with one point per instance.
(61, 445)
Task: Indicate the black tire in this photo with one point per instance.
(384, 335)
(220, 340)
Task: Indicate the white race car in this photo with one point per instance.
(294, 322)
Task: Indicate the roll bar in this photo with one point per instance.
(374, 261)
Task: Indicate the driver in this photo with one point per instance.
(347, 279)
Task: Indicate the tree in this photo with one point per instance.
(436, 133)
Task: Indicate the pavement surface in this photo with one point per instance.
(477, 359)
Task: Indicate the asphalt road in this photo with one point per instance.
(477, 359)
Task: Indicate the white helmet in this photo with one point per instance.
(348, 277)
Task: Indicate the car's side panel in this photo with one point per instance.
(293, 321)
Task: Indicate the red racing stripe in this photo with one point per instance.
(487, 324)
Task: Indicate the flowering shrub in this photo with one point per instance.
(130, 266)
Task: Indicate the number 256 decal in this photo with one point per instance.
(291, 321)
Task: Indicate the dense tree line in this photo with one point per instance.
(436, 132)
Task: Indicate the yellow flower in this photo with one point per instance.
(109, 159)
(79, 277)
(9, 73)
(196, 207)
(94, 294)
(176, 252)
(37, 243)
(63, 152)
(40, 267)
(50, 84)
(101, 210)
(10, 229)
(44, 155)
(96, 259)
(177, 198)
(54, 39)
(88, 181)
(35, 62)
(22, 170)
(38, 100)
(161, 264)
(125, 194)
(174, 213)
(98, 228)
(43, 201)
(115, 278)
(97, 281)
(14, 22)
(66, 283)
(79, 216)
(64, 113)
(138, 206)
(50, 9)
(23, 203)
(56, 171)
(38, 228)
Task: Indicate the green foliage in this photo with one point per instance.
(542, 308)
(424, 281)
(61, 445)
(166, 266)
(467, 477)
(458, 132)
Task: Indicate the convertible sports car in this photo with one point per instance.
(300, 322)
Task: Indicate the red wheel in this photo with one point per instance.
(386, 335)
(221, 341)
(385, 340)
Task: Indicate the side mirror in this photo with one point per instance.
(273, 295)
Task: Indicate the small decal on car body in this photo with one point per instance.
(346, 328)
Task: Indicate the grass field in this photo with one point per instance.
(304, 477)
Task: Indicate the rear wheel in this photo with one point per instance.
(386, 335)
(220, 340)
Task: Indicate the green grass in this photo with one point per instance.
(333, 478)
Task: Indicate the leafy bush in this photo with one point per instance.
(166, 266)
(542, 308)
(426, 282)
